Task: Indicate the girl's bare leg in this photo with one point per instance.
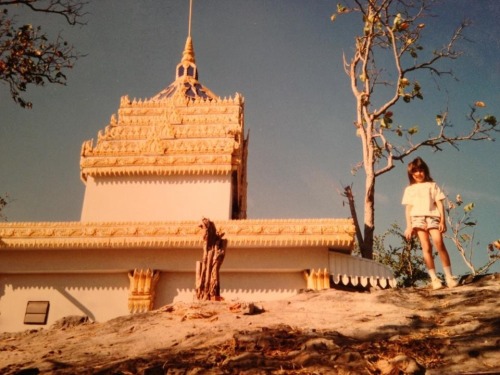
(425, 242)
(437, 238)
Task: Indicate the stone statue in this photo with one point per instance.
(207, 271)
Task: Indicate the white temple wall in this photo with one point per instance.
(99, 296)
(95, 283)
(86, 260)
(235, 286)
(98, 260)
(157, 198)
(103, 296)
(261, 286)
(271, 259)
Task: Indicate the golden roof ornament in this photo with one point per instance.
(188, 54)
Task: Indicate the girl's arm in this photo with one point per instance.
(442, 217)
(409, 229)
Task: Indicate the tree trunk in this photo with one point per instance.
(369, 211)
(352, 207)
(207, 272)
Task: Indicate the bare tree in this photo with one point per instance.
(392, 31)
(27, 55)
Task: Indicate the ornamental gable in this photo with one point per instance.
(168, 136)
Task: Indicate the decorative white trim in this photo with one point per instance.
(350, 270)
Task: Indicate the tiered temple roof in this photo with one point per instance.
(184, 129)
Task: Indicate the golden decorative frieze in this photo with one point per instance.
(160, 165)
(183, 146)
(334, 233)
(169, 132)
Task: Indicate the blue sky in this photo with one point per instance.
(285, 58)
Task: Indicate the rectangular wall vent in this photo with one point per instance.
(36, 312)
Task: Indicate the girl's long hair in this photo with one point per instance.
(418, 165)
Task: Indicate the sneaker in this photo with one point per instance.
(451, 281)
(437, 284)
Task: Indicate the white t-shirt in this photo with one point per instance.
(422, 198)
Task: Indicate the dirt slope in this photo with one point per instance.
(398, 331)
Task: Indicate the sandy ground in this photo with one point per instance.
(396, 331)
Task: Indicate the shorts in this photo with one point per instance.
(425, 222)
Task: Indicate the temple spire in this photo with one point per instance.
(186, 73)
(190, 17)
(188, 53)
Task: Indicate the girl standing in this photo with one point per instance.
(425, 216)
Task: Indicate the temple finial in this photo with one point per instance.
(190, 16)
(188, 54)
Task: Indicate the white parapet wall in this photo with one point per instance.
(156, 198)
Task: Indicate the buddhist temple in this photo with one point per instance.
(160, 166)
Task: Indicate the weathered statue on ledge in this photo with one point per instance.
(207, 272)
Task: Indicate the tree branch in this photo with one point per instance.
(71, 10)
(480, 131)
(27, 56)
